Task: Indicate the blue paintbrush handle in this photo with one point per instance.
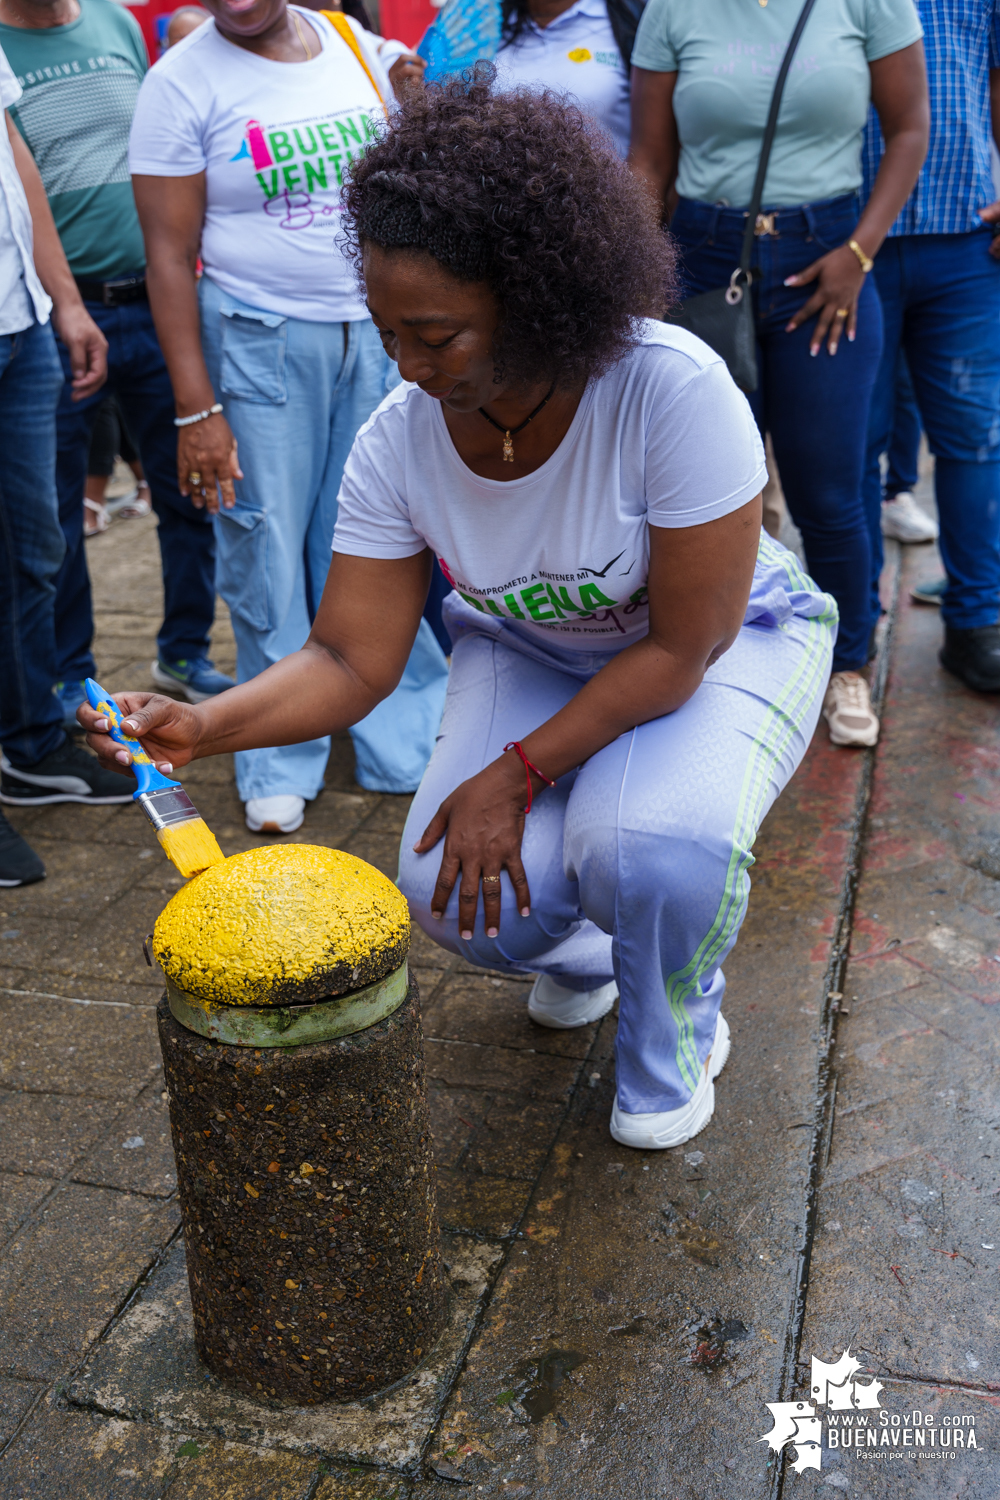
(146, 774)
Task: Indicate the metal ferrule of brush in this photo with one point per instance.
(167, 808)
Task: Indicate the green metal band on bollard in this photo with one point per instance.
(289, 1025)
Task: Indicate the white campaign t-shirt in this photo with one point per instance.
(273, 140)
(664, 439)
(576, 55)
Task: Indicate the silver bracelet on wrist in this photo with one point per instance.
(199, 416)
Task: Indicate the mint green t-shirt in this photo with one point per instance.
(727, 54)
(80, 85)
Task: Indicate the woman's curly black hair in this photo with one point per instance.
(518, 190)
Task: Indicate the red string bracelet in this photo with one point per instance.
(528, 768)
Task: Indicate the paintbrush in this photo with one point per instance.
(186, 838)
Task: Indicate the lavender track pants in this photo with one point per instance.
(638, 861)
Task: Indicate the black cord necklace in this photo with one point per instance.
(510, 433)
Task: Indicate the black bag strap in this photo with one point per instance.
(769, 133)
(625, 16)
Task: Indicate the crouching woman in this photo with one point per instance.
(637, 671)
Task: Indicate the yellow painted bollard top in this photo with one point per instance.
(282, 925)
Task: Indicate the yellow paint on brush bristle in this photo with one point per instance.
(283, 923)
(192, 846)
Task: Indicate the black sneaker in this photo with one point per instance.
(973, 656)
(69, 774)
(19, 864)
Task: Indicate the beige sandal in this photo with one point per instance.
(101, 517)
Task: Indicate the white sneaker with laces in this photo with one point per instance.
(672, 1127)
(847, 709)
(551, 1004)
(275, 814)
(904, 521)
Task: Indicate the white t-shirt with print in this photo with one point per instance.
(274, 140)
(664, 439)
(576, 55)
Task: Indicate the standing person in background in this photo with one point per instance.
(80, 63)
(183, 21)
(580, 48)
(939, 280)
(108, 441)
(40, 763)
(241, 138)
(700, 97)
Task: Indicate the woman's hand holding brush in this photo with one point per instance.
(170, 740)
(183, 833)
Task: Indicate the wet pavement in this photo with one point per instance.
(629, 1314)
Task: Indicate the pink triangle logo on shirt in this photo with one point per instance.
(254, 145)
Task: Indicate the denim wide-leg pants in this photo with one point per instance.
(295, 394)
(638, 861)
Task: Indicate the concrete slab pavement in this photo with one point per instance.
(645, 1306)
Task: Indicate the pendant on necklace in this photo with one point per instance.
(510, 433)
(762, 3)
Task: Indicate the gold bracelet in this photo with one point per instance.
(866, 260)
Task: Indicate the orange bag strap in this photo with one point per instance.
(342, 26)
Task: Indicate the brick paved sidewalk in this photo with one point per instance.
(645, 1306)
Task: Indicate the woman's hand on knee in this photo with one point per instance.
(482, 824)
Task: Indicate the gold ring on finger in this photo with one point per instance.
(194, 477)
(491, 880)
(842, 312)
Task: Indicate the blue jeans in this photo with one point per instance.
(816, 409)
(295, 395)
(137, 375)
(904, 446)
(31, 544)
(941, 303)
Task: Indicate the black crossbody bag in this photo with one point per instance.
(723, 318)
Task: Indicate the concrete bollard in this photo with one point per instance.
(299, 1124)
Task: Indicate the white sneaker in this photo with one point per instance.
(275, 814)
(672, 1127)
(847, 709)
(550, 1004)
(904, 521)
